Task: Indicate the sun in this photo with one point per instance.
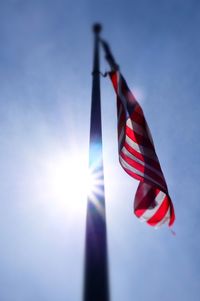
(70, 182)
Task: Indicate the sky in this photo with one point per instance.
(45, 94)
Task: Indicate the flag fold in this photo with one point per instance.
(138, 157)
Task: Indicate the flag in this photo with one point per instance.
(138, 157)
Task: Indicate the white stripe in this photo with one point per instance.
(136, 171)
(165, 219)
(128, 154)
(141, 149)
(150, 212)
(136, 127)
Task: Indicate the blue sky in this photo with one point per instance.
(45, 90)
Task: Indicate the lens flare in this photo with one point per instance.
(68, 180)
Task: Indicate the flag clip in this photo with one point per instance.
(101, 73)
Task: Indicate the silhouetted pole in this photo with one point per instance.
(96, 286)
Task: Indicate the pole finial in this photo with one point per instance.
(97, 28)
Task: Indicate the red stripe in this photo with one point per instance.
(113, 77)
(145, 151)
(144, 170)
(137, 117)
(139, 139)
(142, 204)
(154, 164)
(160, 213)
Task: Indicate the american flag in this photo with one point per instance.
(138, 158)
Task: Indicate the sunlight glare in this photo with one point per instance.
(69, 180)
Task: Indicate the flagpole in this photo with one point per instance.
(96, 284)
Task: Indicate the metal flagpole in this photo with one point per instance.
(96, 286)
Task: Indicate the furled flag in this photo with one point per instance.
(137, 154)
